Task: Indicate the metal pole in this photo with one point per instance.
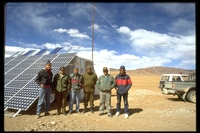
(93, 29)
(5, 13)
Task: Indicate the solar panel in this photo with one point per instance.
(7, 59)
(56, 50)
(15, 54)
(20, 89)
(29, 52)
(41, 52)
(13, 63)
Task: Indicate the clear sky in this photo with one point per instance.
(137, 35)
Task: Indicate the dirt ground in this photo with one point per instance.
(149, 110)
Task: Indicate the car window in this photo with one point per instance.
(165, 78)
(185, 78)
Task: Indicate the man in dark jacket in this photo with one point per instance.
(123, 84)
(105, 84)
(89, 79)
(61, 84)
(44, 80)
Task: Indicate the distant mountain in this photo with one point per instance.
(157, 70)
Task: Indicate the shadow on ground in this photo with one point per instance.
(130, 110)
(175, 99)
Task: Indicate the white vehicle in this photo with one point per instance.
(171, 77)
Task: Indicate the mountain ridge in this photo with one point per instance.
(157, 70)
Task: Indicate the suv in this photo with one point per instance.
(171, 77)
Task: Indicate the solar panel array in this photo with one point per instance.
(20, 89)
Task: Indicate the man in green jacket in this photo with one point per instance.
(105, 84)
(89, 79)
(61, 84)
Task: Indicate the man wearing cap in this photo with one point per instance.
(90, 80)
(61, 84)
(105, 84)
(44, 80)
(75, 93)
(123, 84)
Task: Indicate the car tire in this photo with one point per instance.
(191, 96)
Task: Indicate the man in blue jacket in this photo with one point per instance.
(123, 84)
(105, 84)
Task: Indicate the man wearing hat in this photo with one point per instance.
(75, 93)
(61, 84)
(123, 84)
(89, 79)
(105, 84)
(44, 80)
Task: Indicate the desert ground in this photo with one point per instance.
(149, 110)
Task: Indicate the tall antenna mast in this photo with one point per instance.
(93, 29)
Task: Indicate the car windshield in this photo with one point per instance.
(185, 78)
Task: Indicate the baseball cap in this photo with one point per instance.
(48, 63)
(75, 67)
(62, 68)
(105, 69)
(122, 67)
(89, 67)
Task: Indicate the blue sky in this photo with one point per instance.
(137, 35)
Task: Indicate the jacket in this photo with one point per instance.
(90, 79)
(76, 81)
(105, 86)
(123, 83)
(61, 84)
(44, 77)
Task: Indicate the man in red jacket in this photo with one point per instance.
(123, 84)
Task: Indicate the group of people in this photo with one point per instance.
(60, 83)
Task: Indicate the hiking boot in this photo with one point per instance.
(83, 111)
(70, 112)
(37, 116)
(126, 115)
(100, 114)
(57, 113)
(64, 113)
(117, 114)
(46, 114)
(110, 115)
(91, 110)
(78, 112)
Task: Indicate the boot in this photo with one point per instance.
(91, 110)
(64, 112)
(85, 109)
(58, 112)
